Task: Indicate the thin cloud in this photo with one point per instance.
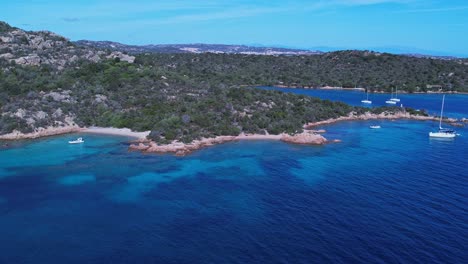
(369, 2)
(210, 16)
(226, 10)
(70, 19)
(251, 11)
(435, 10)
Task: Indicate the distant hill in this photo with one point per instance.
(235, 49)
(193, 48)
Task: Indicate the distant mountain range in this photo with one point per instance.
(244, 49)
(194, 48)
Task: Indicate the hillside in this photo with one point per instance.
(375, 71)
(193, 48)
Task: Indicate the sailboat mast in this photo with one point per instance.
(441, 112)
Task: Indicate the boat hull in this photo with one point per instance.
(441, 135)
(366, 102)
(390, 102)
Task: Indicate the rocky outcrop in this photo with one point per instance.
(44, 47)
(181, 149)
(305, 138)
(121, 56)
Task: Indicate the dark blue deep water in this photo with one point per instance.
(380, 196)
(456, 104)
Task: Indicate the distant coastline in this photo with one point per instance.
(384, 116)
(361, 89)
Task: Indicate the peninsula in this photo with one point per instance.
(181, 102)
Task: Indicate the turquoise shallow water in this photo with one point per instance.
(380, 196)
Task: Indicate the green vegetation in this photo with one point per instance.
(375, 71)
(145, 97)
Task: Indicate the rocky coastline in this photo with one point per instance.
(307, 137)
(382, 116)
(181, 149)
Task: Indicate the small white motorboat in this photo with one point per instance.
(77, 141)
(374, 127)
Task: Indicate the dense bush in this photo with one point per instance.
(376, 71)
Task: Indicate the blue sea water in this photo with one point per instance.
(390, 195)
(456, 105)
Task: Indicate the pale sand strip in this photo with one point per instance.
(116, 131)
(52, 131)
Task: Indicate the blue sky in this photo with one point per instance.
(430, 26)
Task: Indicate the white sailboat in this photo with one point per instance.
(390, 101)
(443, 132)
(366, 101)
(396, 99)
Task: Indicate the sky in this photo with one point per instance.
(438, 27)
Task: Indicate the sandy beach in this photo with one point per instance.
(53, 131)
(116, 131)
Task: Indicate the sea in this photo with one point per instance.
(389, 195)
(456, 105)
